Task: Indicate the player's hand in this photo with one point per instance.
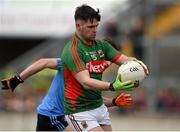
(144, 67)
(122, 100)
(131, 59)
(11, 83)
(118, 85)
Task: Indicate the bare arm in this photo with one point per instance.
(84, 79)
(108, 102)
(38, 66)
(124, 58)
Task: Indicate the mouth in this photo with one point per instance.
(93, 36)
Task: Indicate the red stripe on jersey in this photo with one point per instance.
(73, 88)
(75, 55)
(72, 51)
(81, 66)
(115, 58)
(73, 73)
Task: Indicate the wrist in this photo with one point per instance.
(111, 88)
(123, 58)
(20, 79)
(114, 102)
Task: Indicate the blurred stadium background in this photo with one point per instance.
(146, 29)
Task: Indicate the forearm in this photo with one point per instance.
(124, 58)
(84, 79)
(38, 66)
(108, 102)
(94, 84)
(32, 69)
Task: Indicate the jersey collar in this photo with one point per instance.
(89, 43)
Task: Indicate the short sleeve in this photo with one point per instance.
(111, 53)
(59, 63)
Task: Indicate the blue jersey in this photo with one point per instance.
(53, 102)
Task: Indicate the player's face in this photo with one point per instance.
(88, 29)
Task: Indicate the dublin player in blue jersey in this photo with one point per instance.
(51, 110)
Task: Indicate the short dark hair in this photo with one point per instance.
(85, 13)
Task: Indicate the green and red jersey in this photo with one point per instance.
(78, 56)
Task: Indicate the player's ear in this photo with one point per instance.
(77, 25)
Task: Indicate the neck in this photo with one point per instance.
(87, 43)
(84, 40)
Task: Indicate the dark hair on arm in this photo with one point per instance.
(86, 12)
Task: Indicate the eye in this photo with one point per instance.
(91, 26)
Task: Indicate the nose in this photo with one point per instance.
(94, 29)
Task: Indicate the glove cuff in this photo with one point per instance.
(114, 102)
(111, 87)
(20, 79)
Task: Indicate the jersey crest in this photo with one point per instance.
(101, 54)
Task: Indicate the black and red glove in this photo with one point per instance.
(122, 100)
(11, 83)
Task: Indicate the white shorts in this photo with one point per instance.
(84, 121)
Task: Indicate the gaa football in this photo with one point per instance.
(136, 71)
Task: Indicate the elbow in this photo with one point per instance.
(85, 83)
(84, 79)
(43, 62)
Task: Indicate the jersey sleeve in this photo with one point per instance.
(111, 53)
(59, 63)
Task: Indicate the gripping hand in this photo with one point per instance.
(122, 100)
(144, 67)
(11, 83)
(118, 85)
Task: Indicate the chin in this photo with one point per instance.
(90, 39)
(93, 38)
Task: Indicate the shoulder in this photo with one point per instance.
(66, 47)
(73, 43)
(99, 41)
(102, 43)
